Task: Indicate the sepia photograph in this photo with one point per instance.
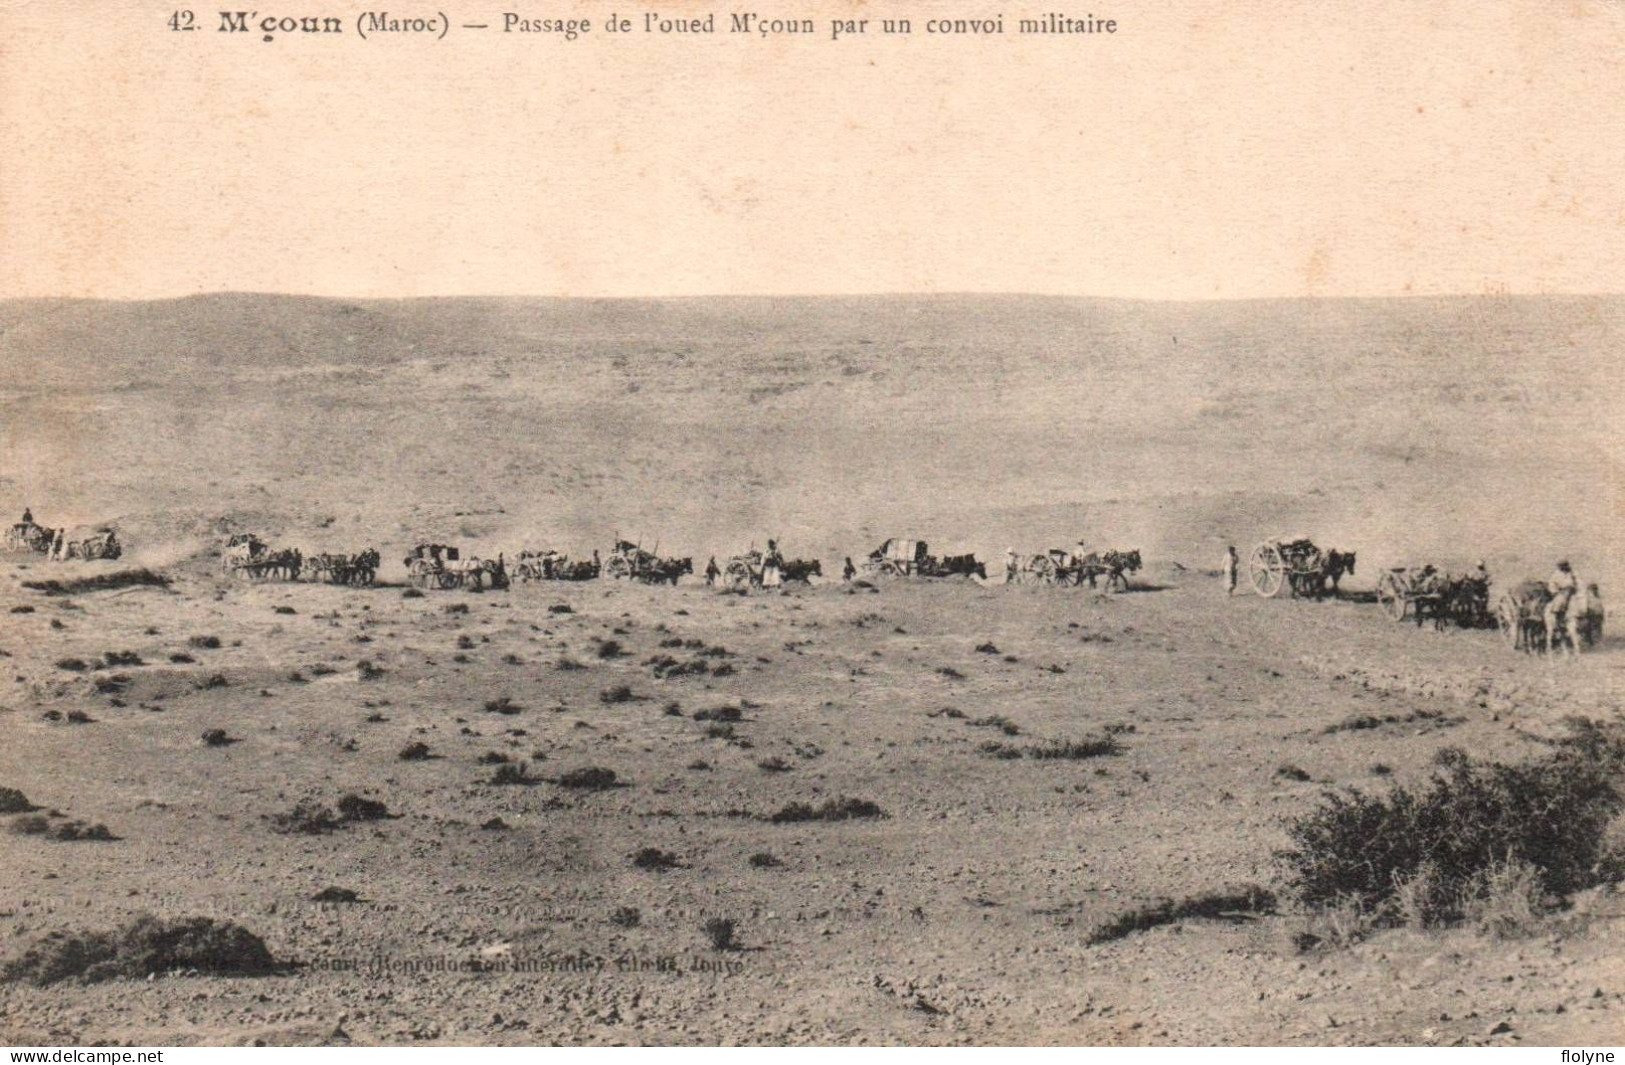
(846, 524)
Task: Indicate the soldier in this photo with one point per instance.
(1010, 565)
(1562, 585)
(28, 516)
(848, 571)
(1231, 563)
(711, 571)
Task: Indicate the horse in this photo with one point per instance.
(962, 566)
(1337, 564)
(664, 570)
(362, 567)
(799, 569)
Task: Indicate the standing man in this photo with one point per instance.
(1231, 563)
(1010, 566)
(1562, 585)
(712, 572)
(848, 571)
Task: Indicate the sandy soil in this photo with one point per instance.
(959, 917)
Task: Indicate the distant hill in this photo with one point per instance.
(1445, 427)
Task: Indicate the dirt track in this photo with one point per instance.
(959, 917)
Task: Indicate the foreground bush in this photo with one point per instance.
(1478, 838)
(144, 947)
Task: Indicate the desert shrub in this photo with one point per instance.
(216, 680)
(719, 731)
(589, 778)
(217, 737)
(949, 712)
(145, 947)
(720, 713)
(843, 809)
(627, 917)
(284, 610)
(416, 751)
(72, 665)
(205, 643)
(79, 717)
(950, 673)
(561, 608)
(32, 825)
(306, 819)
(353, 807)
(567, 664)
(720, 932)
(512, 773)
(61, 831)
(1087, 747)
(655, 860)
(722, 669)
(322, 669)
(1004, 751)
(13, 801)
(1433, 854)
(121, 658)
(24, 609)
(621, 693)
(699, 764)
(764, 860)
(998, 721)
(366, 670)
(610, 649)
(412, 593)
(181, 658)
(494, 824)
(335, 894)
(674, 709)
(1212, 906)
(1288, 771)
(455, 608)
(503, 705)
(775, 764)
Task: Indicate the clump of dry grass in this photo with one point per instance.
(655, 860)
(1211, 906)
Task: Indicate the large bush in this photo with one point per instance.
(1428, 853)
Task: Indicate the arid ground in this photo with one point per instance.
(958, 907)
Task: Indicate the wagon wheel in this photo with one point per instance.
(1267, 570)
(1390, 598)
(1509, 616)
(736, 574)
(1115, 581)
(618, 567)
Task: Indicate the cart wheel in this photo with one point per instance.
(736, 574)
(618, 568)
(1267, 570)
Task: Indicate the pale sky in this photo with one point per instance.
(1207, 150)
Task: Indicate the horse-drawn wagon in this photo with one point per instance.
(1521, 615)
(359, 569)
(553, 565)
(27, 535)
(630, 562)
(1062, 567)
(1425, 592)
(442, 566)
(246, 555)
(898, 557)
(1298, 567)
